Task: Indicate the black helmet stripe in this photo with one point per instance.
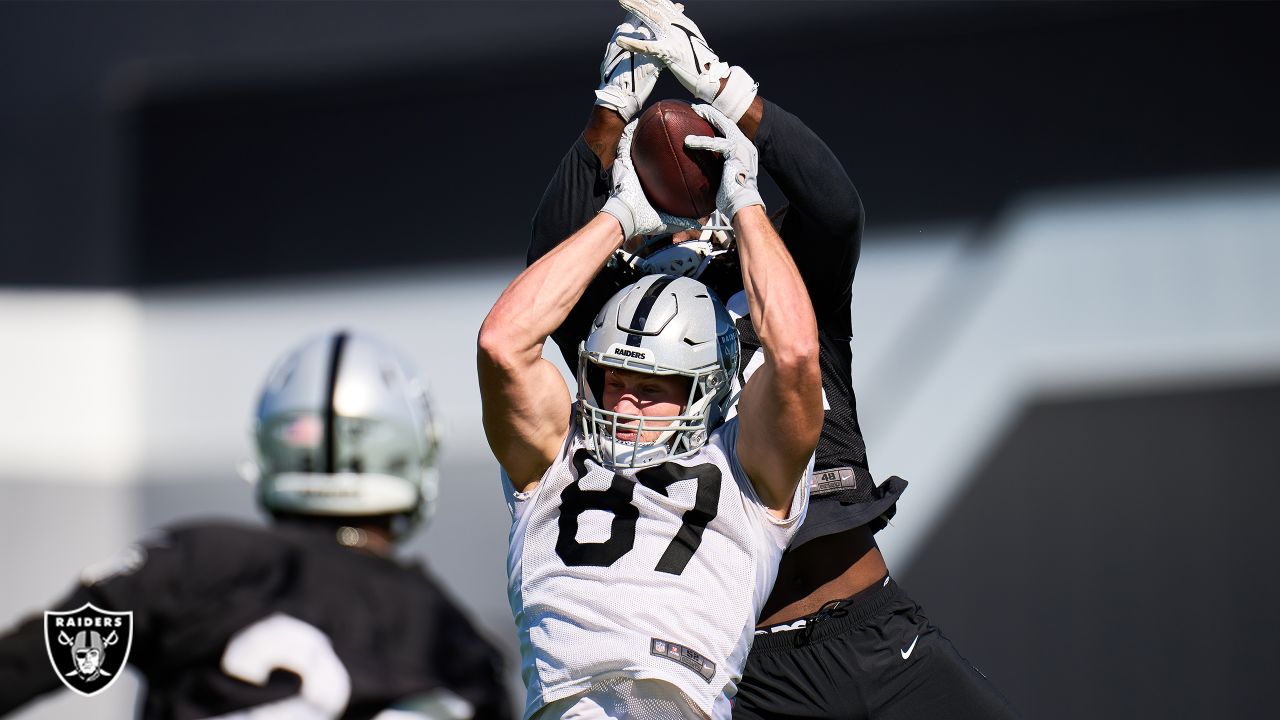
(641, 317)
(330, 441)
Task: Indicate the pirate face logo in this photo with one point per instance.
(87, 650)
(88, 647)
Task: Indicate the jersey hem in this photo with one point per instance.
(553, 694)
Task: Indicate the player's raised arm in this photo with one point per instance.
(780, 410)
(579, 186)
(581, 183)
(525, 400)
(626, 79)
(823, 206)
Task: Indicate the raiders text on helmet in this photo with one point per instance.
(344, 428)
(663, 325)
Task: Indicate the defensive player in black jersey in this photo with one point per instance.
(837, 637)
(310, 618)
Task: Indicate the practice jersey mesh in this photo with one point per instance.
(843, 494)
(609, 577)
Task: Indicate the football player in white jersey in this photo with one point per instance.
(646, 529)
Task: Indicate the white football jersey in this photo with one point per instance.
(656, 574)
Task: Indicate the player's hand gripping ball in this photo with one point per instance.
(738, 186)
(677, 180)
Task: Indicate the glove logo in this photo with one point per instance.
(88, 647)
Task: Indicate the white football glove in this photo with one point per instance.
(738, 183)
(678, 44)
(626, 79)
(627, 201)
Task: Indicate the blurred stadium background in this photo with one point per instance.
(1067, 315)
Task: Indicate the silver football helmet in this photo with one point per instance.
(663, 325)
(344, 429)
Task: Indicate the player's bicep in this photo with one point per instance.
(526, 416)
(776, 434)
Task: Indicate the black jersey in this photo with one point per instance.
(322, 609)
(822, 229)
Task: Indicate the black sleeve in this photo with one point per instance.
(25, 672)
(179, 579)
(822, 227)
(575, 194)
(141, 584)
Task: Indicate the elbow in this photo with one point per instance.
(797, 360)
(495, 344)
(846, 215)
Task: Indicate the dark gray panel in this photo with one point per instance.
(152, 143)
(1114, 557)
(935, 120)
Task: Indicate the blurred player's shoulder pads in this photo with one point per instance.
(198, 559)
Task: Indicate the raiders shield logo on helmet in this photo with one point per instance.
(88, 647)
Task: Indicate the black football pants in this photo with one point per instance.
(874, 656)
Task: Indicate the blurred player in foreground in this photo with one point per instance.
(646, 527)
(837, 637)
(310, 618)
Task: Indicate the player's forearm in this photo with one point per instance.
(749, 123)
(604, 127)
(781, 405)
(539, 300)
(780, 308)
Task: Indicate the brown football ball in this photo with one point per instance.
(675, 179)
